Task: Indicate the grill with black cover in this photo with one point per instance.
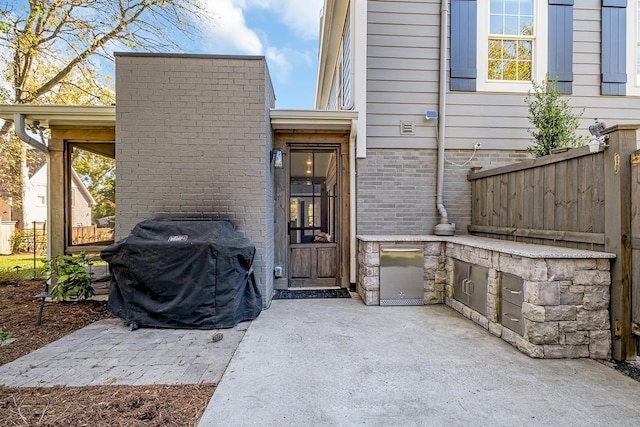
(183, 274)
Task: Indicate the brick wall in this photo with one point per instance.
(193, 140)
(396, 188)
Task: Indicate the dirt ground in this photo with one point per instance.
(153, 405)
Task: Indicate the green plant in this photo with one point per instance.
(5, 336)
(23, 241)
(554, 120)
(71, 275)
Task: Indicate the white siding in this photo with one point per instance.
(402, 66)
(346, 62)
(402, 82)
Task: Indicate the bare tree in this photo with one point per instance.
(50, 48)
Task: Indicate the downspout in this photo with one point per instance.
(19, 127)
(444, 228)
(352, 151)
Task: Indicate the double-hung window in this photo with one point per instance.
(512, 44)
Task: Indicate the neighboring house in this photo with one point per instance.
(35, 201)
(384, 60)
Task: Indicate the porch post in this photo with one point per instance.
(55, 189)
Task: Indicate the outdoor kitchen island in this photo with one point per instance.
(549, 302)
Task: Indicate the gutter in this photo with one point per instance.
(444, 228)
(19, 128)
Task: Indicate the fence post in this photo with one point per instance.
(617, 231)
(635, 242)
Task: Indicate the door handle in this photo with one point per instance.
(400, 250)
(512, 291)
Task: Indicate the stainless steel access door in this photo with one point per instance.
(401, 275)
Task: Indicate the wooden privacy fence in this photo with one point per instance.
(574, 199)
(556, 200)
(90, 234)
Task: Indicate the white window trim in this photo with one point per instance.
(540, 49)
(633, 83)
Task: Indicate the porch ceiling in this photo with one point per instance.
(61, 115)
(312, 120)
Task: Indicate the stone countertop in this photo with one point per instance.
(527, 250)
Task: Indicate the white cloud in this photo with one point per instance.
(229, 32)
(302, 16)
(279, 61)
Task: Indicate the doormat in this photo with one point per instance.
(311, 293)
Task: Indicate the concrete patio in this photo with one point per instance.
(339, 362)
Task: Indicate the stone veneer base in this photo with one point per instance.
(566, 291)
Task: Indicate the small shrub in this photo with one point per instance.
(5, 336)
(22, 241)
(553, 119)
(72, 277)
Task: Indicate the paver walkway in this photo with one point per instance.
(107, 352)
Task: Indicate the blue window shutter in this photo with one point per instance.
(613, 59)
(464, 15)
(561, 44)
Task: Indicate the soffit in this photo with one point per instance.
(61, 115)
(312, 120)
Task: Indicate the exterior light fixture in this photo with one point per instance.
(277, 157)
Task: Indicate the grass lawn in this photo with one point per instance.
(8, 263)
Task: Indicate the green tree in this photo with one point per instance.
(50, 50)
(554, 120)
(98, 174)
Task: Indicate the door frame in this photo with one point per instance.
(313, 140)
(313, 252)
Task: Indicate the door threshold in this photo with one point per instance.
(312, 288)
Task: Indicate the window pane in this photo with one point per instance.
(526, 7)
(512, 25)
(510, 60)
(497, 6)
(511, 17)
(496, 25)
(92, 197)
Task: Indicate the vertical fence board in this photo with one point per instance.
(597, 195)
(527, 199)
(585, 183)
(549, 197)
(537, 214)
(561, 197)
(571, 195)
(495, 180)
(504, 201)
(489, 201)
(482, 202)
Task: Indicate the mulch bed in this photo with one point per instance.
(153, 405)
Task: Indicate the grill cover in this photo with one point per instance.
(183, 274)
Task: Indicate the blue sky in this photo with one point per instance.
(284, 31)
